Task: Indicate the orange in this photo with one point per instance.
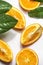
(42, 29)
(19, 16)
(27, 57)
(5, 52)
(31, 34)
(28, 4)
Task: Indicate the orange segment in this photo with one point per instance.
(27, 57)
(5, 52)
(29, 5)
(31, 34)
(18, 15)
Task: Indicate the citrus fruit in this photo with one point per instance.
(31, 34)
(5, 52)
(42, 29)
(28, 4)
(19, 16)
(27, 57)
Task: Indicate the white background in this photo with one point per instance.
(12, 37)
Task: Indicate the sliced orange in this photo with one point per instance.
(28, 4)
(18, 15)
(5, 52)
(42, 29)
(27, 57)
(31, 34)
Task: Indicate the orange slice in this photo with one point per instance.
(31, 34)
(27, 57)
(5, 52)
(29, 5)
(18, 15)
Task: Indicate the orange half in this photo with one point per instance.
(19, 16)
(28, 4)
(27, 57)
(5, 52)
(31, 34)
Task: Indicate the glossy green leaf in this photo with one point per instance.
(39, 0)
(6, 23)
(38, 13)
(4, 7)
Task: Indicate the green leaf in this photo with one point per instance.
(0, 0)
(4, 7)
(6, 23)
(39, 0)
(38, 13)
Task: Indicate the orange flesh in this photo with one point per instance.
(30, 35)
(27, 58)
(31, 39)
(5, 52)
(31, 29)
(14, 13)
(29, 4)
(18, 15)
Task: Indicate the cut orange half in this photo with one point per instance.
(19, 16)
(27, 57)
(5, 52)
(31, 34)
(28, 4)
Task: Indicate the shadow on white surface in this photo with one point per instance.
(5, 63)
(8, 36)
